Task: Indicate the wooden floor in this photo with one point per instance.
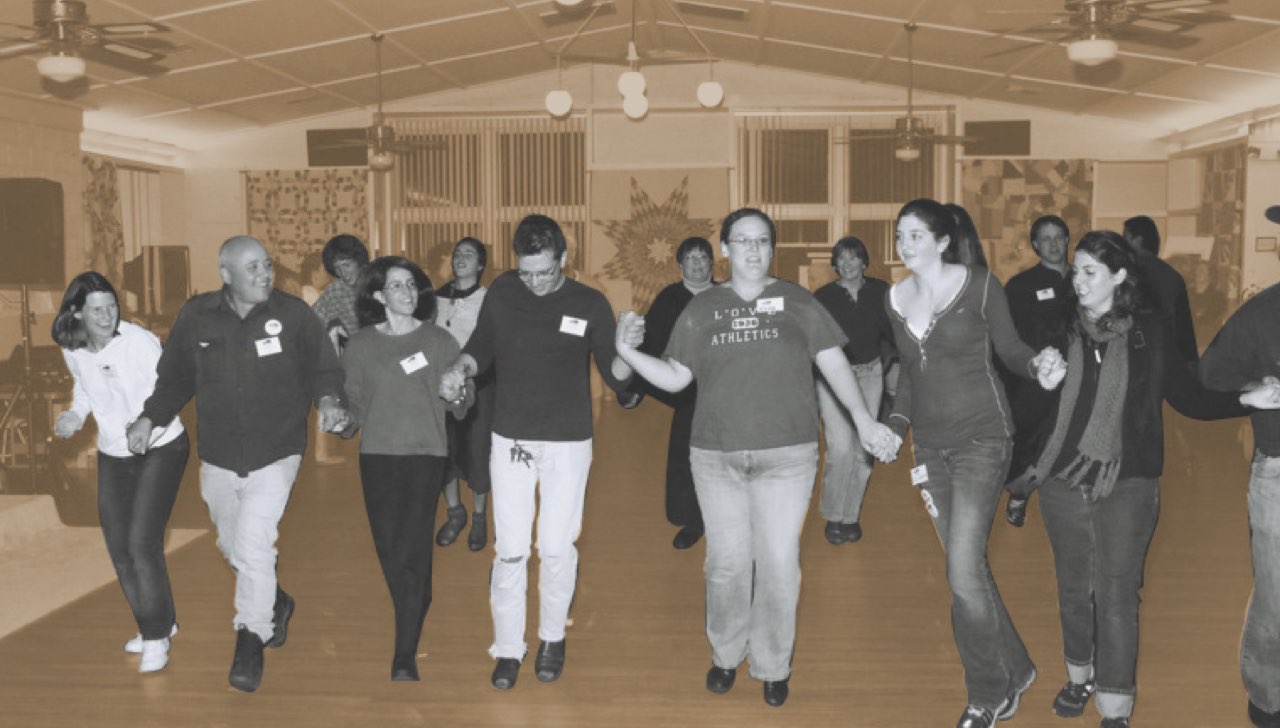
(874, 645)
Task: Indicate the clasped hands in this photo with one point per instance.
(1264, 396)
(1051, 368)
(630, 331)
(453, 383)
(880, 440)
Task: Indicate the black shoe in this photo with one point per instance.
(720, 679)
(452, 526)
(550, 662)
(775, 692)
(505, 673)
(404, 669)
(834, 533)
(687, 537)
(281, 614)
(975, 717)
(479, 534)
(1014, 698)
(1115, 723)
(1015, 511)
(1072, 699)
(246, 666)
(852, 531)
(1262, 718)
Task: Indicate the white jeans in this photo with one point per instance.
(246, 512)
(517, 468)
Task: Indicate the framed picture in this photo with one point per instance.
(1264, 245)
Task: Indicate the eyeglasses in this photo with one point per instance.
(757, 243)
(398, 286)
(533, 276)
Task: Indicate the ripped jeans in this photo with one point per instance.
(518, 469)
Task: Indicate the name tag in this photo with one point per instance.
(1044, 294)
(268, 346)
(411, 364)
(919, 474)
(108, 371)
(571, 325)
(770, 305)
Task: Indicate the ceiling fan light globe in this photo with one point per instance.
(631, 83)
(381, 160)
(635, 107)
(569, 3)
(906, 154)
(710, 94)
(1092, 51)
(559, 103)
(61, 68)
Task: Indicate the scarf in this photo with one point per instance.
(1098, 453)
(451, 291)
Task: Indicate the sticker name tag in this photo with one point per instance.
(571, 325)
(919, 474)
(268, 346)
(1044, 294)
(771, 305)
(411, 364)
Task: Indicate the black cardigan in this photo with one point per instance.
(1158, 372)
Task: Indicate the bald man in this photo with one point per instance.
(255, 359)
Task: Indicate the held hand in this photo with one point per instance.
(880, 441)
(1266, 397)
(68, 424)
(630, 332)
(333, 417)
(1050, 376)
(452, 383)
(138, 436)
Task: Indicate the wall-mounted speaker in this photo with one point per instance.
(337, 147)
(31, 233)
(161, 279)
(998, 138)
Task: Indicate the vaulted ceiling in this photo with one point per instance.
(233, 65)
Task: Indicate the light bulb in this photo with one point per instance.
(710, 94)
(907, 154)
(559, 103)
(1092, 51)
(635, 107)
(61, 68)
(381, 160)
(631, 83)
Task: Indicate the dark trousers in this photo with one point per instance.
(400, 494)
(469, 439)
(682, 499)
(1099, 550)
(135, 497)
(961, 493)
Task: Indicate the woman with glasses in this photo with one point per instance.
(393, 366)
(457, 311)
(751, 343)
(1100, 468)
(947, 318)
(113, 363)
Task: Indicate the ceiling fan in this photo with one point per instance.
(61, 31)
(909, 132)
(1091, 28)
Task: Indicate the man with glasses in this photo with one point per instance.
(536, 330)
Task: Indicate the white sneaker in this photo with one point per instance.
(134, 646)
(155, 655)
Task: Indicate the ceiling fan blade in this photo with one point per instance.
(1027, 11)
(105, 55)
(20, 47)
(1156, 25)
(119, 29)
(1171, 41)
(130, 51)
(564, 16)
(589, 58)
(950, 139)
(857, 137)
(1144, 6)
(714, 10)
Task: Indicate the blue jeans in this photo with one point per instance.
(847, 467)
(135, 497)
(1099, 550)
(753, 504)
(1260, 648)
(961, 493)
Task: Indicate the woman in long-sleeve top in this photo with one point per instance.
(947, 318)
(393, 366)
(113, 363)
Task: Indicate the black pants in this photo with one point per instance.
(135, 497)
(682, 500)
(469, 439)
(400, 494)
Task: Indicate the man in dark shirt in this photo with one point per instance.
(255, 359)
(1247, 351)
(1038, 299)
(537, 329)
(1164, 283)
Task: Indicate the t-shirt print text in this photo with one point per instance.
(745, 324)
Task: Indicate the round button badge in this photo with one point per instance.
(273, 327)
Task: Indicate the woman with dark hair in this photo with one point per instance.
(752, 343)
(344, 256)
(113, 363)
(857, 304)
(968, 242)
(393, 366)
(1100, 468)
(947, 318)
(457, 311)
